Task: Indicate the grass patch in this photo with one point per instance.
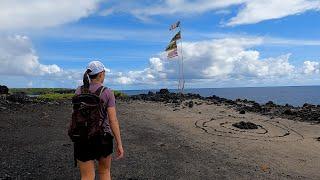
(55, 97)
(39, 91)
(119, 94)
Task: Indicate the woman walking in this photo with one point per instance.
(99, 149)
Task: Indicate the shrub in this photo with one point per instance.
(55, 97)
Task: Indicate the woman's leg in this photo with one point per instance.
(104, 168)
(86, 170)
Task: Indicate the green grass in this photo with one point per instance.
(36, 91)
(55, 97)
(119, 94)
(50, 94)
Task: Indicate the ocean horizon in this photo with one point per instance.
(293, 95)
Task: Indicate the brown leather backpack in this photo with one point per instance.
(88, 115)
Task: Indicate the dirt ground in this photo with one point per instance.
(163, 142)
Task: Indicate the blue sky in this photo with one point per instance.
(226, 43)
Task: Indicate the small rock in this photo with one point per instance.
(3, 108)
(242, 112)
(190, 104)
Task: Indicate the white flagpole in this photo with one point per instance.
(182, 73)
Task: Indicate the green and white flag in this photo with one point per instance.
(176, 37)
(171, 46)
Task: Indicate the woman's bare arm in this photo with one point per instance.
(114, 124)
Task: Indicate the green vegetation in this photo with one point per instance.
(55, 97)
(119, 94)
(54, 94)
(38, 91)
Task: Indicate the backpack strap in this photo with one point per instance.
(99, 91)
(81, 89)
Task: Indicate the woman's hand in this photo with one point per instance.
(120, 152)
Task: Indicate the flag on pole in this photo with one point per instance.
(172, 45)
(174, 26)
(176, 37)
(173, 53)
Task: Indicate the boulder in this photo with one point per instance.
(242, 112)
(245, 125)
(4, 90)
(190, 104)
(164, 91)
(18, 98)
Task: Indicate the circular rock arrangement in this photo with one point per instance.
(260, 130)
(245, 125)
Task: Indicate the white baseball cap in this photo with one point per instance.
(95, 67)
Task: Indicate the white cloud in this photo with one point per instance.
(253, 11)
(311, 67)
(17, 57)
(16, 14)
(259, 10)
(150, 75)
(185, 7)
(220, 60)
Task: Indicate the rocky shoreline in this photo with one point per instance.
(308, 112)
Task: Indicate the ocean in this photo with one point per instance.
(293, 95)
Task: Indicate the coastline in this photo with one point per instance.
(308, 112)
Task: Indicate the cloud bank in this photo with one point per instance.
(41, 14)
(250, 12)
(17, 57)
(227, 59)
(217, 60)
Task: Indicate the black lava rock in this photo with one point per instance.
(4, 90)
(270, 103)
(164, 91)
(289, 112)
(309, 112)
(65, 91)
(245, 125)
(242, 112)
(19, 98)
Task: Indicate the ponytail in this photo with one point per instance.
(86, 81)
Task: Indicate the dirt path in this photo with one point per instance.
(189, 143)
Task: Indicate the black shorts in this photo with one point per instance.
(101, 146)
